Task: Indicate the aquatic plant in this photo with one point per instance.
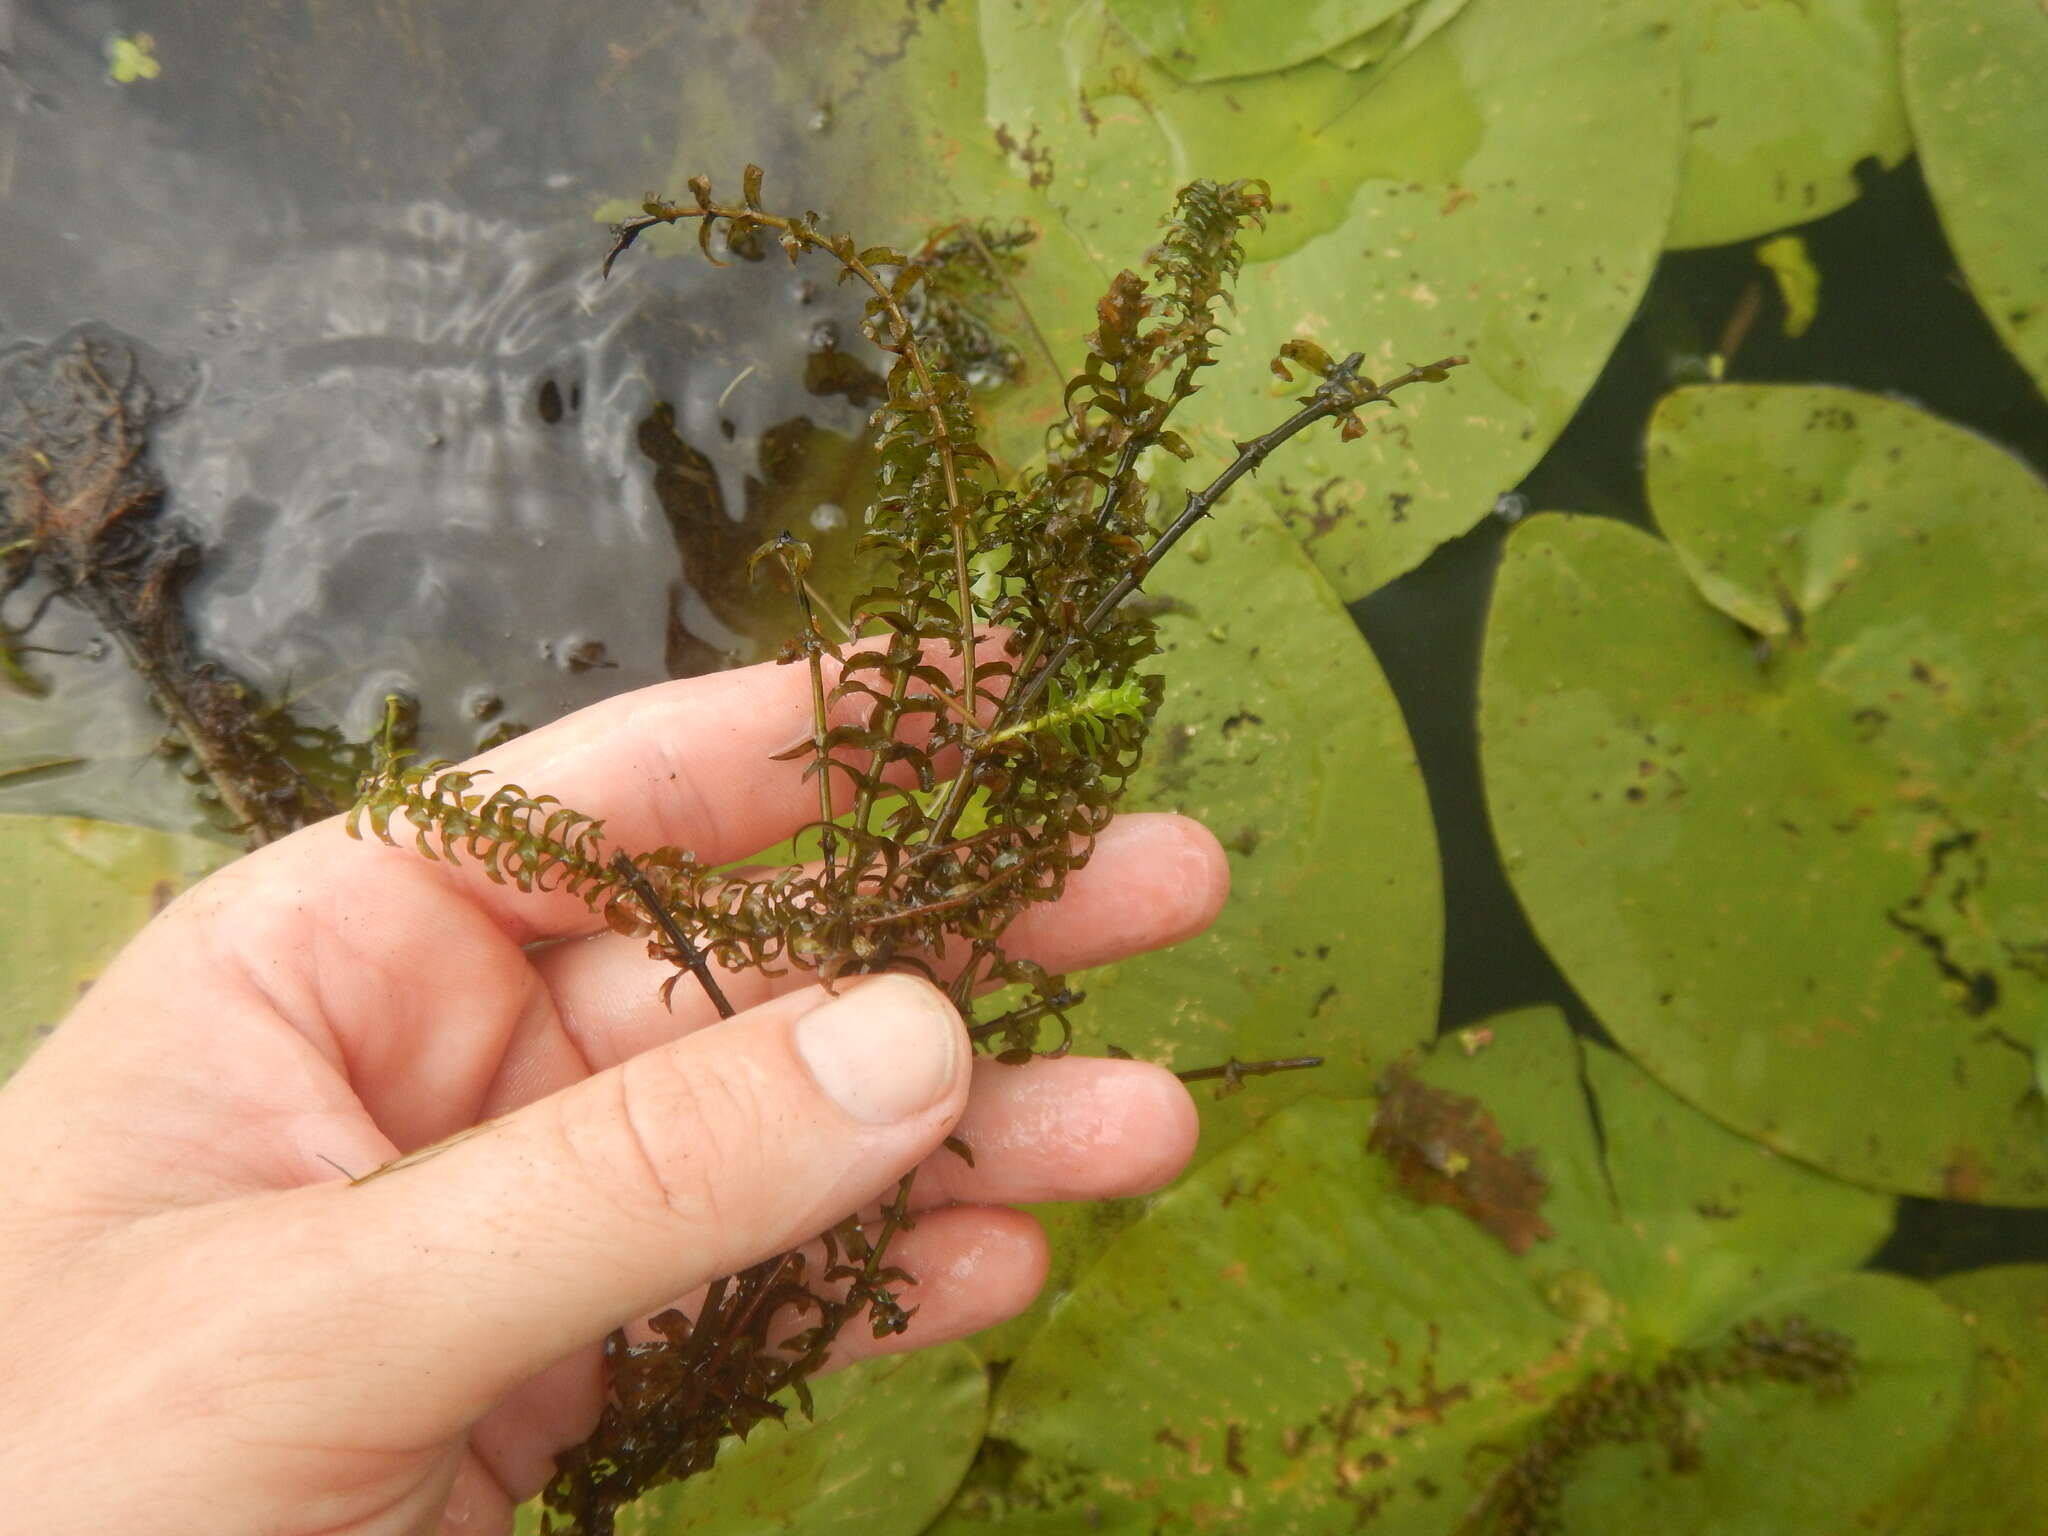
(83, 516)
(973, 721)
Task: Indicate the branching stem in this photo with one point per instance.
(679, 941)
(1343, 391)
(1233, 1072)
(814, 646)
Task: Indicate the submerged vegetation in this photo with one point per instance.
(82, 508)
(973, 725)
(1655, 1405)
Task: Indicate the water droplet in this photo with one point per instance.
(1511, 507)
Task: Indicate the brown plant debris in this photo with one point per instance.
(1661, 1403)
(1447, 1150)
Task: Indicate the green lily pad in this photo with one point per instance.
(1396, 36)
(1500, 193)
(1332, 940)
(1973, 73)
(1771, 793)
(1368, 48)
(1501, 190)
(888, 1445)
(1782, 102)
(1985, 1479)
(1294, 1340)
(75, 892)
(1220, 39)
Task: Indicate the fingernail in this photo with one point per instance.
(886, 1049)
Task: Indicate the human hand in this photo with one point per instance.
(205, 1328)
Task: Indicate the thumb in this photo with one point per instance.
(539, 1233)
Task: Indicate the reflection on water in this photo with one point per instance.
(431, 450)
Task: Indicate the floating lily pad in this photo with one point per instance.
(1973, 73)
(1771, 793)
(1984, 1480)
(1499, 193)
(1396, 36)
(1219, 39)
(1332, 939)
(888, 1445)
(1292, 1341)
(1782, 102)
(1331, 942)
(75, 892)
(1368, 48)
(1501, 190)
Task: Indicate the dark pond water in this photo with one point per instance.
(429, 449)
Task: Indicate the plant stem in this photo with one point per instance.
(1341, 392)
(814, 645)
(688, 953)
(1052, 364)
(842, 251)
(1233, 1072)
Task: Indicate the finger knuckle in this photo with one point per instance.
(682, 1139)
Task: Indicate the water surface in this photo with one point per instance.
(429, 448)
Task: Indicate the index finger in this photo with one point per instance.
(685, 764)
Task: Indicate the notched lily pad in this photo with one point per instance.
(1219, 39)
(1315, 953)
(1499, 188)
(1984, 1479)
(857, 1468)
(1289, 1342)
(1269, 682)
(1771, 793)
(1973, 71)
(75, 892)
(1783, 101)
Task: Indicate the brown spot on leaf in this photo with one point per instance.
(1963, 1178)
(1035, 157)
(1233, 1449)
(1447, 1150)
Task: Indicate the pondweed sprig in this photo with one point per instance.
(968, 743)
(532, 842)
